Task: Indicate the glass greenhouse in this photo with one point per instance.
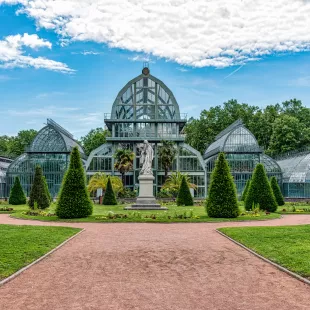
(145, 108)
(51, 150)
(4, 164)
(243, 154)
(296, 174)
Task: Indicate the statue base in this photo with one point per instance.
(146, 199)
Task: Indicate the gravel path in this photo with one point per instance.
(154, 266)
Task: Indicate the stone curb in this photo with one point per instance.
(291, 273)
(17, 273)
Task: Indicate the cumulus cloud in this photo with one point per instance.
(199, 33)
(12, 53)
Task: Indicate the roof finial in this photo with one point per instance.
(146, 70)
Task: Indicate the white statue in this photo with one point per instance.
(146, 158)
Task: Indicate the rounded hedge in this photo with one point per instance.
(222, 199)
(260, 192)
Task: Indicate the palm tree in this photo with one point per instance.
(100, 180)
(124, 161)
(167, 152)
(173, 182)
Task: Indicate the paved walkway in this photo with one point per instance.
(154, 266)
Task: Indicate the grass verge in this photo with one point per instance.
(21, 245)
(288, 246)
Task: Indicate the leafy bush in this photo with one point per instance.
(246, 189)
(109, 196)
(222, 199)
(165, 193)
(127, 193)
(38, 192)
(184, 197)
(17, 195)
(74, 201)
(277, 191)
(260, 191)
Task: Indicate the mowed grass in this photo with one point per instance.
(101, 212)
(288, 246)
(21, 245)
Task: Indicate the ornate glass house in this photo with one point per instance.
(4, 164)
(146, 109)
(296, 174)
(243, 154)
(51, 150)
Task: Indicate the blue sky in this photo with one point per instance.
(88, 67)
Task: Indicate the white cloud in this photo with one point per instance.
(199, 33)
(12, 54)
(141, 58)
(85, 53)
(182, 69)
(48, 111)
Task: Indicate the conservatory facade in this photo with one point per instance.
(146, 109)
(243, 154)
(51, 150)
(4, 164)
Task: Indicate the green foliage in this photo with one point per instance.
(184, 197)
(100, 180)
(74, 201)
(109, 196)
(222, 199)
(123, 161)
(246, 189)
(277, 128)
(17, 195)
(277, 191)
(127, 193)
(95, 138)
(260, 191)
(16, 145)
(38, 194)
(166, 154)
(47, 190)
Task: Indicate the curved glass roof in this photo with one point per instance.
(296, 169)
(145, 97)
(53, 138)
(4, 164)
(234, 139)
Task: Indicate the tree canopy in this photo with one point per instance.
(94, 139)
(278, 128)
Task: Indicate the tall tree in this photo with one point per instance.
(95, 138)
(222, 199)
(74, 201)
(124, 161)
(166, 153)
(38, 193)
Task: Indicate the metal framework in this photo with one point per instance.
(145, 108)
(243, 154)
(51, 150)
(4, 164)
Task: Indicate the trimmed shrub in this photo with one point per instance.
(184, 197)
(109, 196)
(277, 191)
(17, 195)
(246, 189)
(74, 201)
(46, 189)
(222, 199)
(260, 192)
(38, 195)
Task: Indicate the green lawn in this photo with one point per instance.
(288, 246)
(21, 245)
(101, 214)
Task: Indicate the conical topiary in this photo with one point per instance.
(260, 192)
(246, 189)
(222, 199)
(74, 201)
(47, 190)
(17, 195)
(38, 193)
(184, 196)
(109, 196)
(277, 191)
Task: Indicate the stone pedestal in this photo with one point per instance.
(146, 199)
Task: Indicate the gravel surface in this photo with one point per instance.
(154, 266)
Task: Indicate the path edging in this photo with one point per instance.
(17, 273)
(291, 273)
